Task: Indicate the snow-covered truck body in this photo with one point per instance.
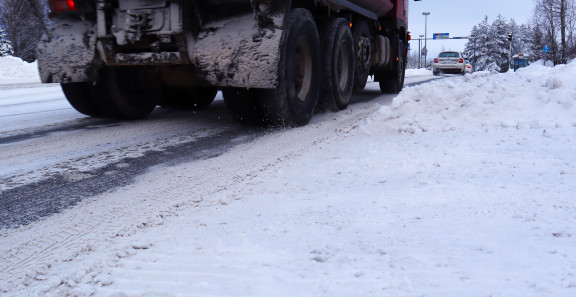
(276, 61)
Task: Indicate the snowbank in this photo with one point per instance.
(535, 97)
(418, 72)
(14, 70)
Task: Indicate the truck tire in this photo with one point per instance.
(393, 82)
(126, 93)
(243, 105)
(338, 65)
(79, 96)
(187, 98)
(361, 34)
(294, 100)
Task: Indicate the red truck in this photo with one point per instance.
(276, 61)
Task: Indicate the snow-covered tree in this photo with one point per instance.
(499, 43)
(5, 46)
(521, 39)
(24, 22)
(478, 48)
(412, 59)
(489, 47)
(537, 42)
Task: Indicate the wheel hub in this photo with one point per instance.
(303, 67)
(364, 55)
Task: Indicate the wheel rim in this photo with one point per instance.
(401, 68)
(343, 66)
(303, 67)
(363, 53)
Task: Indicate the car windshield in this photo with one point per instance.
(449, 55)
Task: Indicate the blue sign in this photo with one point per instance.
(546, 49)
(441, 36)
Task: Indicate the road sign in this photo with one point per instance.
(424, 51)
(546, 49)
(441, 36)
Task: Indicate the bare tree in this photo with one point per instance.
(24, 22)
(571, 29)
(412, 59)
(562, 13)
(557, 20)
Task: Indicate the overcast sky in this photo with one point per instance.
(457, 17)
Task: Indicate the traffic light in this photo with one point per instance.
(510, 37)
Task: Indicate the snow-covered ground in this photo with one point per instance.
(464, 186)
(14, 70)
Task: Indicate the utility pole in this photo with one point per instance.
(425, 14)
(510, 51)
(419, 52)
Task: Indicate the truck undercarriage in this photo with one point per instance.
(277, 62)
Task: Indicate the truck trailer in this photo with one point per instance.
(277, 62)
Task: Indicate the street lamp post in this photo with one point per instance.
(425, 14)
(419, 52)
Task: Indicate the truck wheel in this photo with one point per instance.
(362, 43)
(294, 100)
(79, 96)
(338, 65)
(243, 105)
(187, 98)
(394, 81)
(127, 93)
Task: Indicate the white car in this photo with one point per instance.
(449, 62)
(469, 69)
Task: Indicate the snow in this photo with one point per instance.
(463, 186)
(418, 72)
(14, 70)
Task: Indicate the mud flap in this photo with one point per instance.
(67, 53)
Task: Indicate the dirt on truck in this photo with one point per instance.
(277, 62)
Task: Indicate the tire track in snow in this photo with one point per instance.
(104, 220)
(28, 203)
(41, 251)
(89, 124)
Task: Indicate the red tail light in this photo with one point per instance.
(62, 5)
(435, 60)
(461, 60)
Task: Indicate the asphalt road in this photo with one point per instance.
(53, 164)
